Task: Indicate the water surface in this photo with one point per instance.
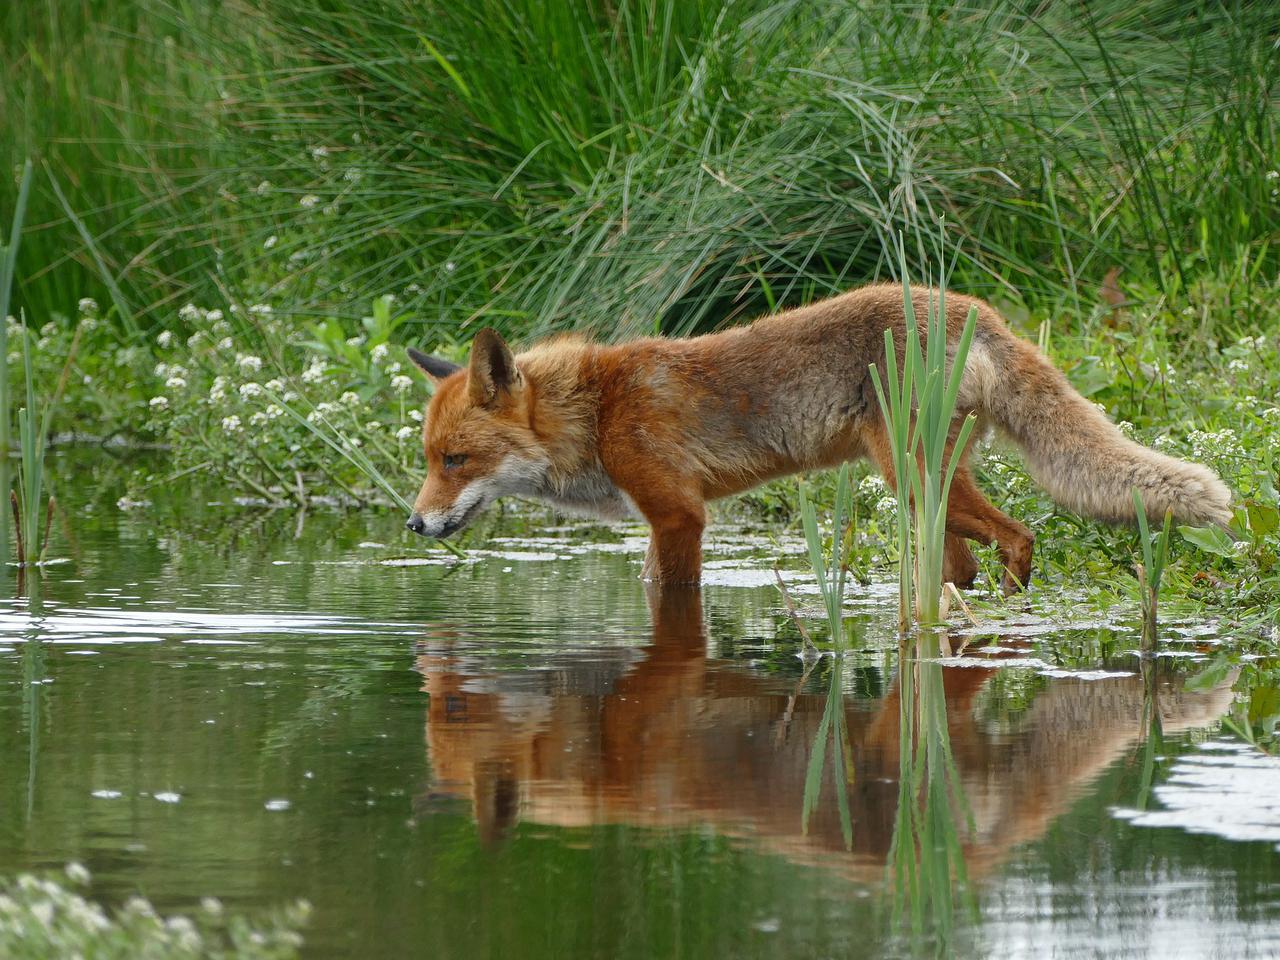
(528, 754)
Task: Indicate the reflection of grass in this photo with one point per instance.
(926, 861)
(834, 728)
(918, 410)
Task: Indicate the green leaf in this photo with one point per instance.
(1210, 539)
(1264, 518)
(1210, 677)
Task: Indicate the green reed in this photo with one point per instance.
(831, 577)
(1150, 572)
(919, 408)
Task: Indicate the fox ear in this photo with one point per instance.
(433, 367)
(493, 372)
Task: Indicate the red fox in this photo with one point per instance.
(657, 427)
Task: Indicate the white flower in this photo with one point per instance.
(400, 383)
(218, 391)
(231, 424)
(88, 306)
(175, 383)
(355, 341)
(309, 201)
(273, 411)
(195, 338)
(161, 370)
(213, 316)
(270, 242)
(326, 408)
(887, 505)
(189, 313)
(248, 363)
(319, 152)
(257, 419)
(871, 485)
(379, 353)
(77, 873)
(314, 373)
(260, 308)
(373, 426)
(330, 209)
(351, 175)
(1238, 365)
(250, 390)
(263, 188)
(393, 366)
(158, 403)
(275, 386)
(415, 415)
(406, 433)
(211, 906)
(89, 323)
(450, 266)
(224, 344)
(350, 399)
(165, 338)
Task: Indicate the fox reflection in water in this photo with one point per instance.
(670, 738)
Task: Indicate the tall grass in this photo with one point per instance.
(654, 164)
(644, 164)
(113, 98)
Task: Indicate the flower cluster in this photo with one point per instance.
(47, 917)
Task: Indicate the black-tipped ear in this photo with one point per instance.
(493, 372)
(433, 367)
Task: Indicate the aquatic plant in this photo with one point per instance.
(918, 407)
(831, 576)
(1150, 571)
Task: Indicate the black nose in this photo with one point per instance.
(416, 524)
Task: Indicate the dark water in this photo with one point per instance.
(530, 756)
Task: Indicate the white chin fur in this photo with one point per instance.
(514, 475)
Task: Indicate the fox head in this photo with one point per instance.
(478, 437)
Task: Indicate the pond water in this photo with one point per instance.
(530, 755)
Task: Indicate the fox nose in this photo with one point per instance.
(416, 524)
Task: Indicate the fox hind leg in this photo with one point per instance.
(970, 515)
(959, 565)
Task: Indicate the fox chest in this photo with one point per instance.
(592, 492)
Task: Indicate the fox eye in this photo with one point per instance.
(452, 460)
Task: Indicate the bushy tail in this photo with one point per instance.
(1079, 456)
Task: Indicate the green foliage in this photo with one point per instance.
(43, 917)
(645, 164)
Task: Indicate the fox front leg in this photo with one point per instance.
(675, 552)
(675, 541)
